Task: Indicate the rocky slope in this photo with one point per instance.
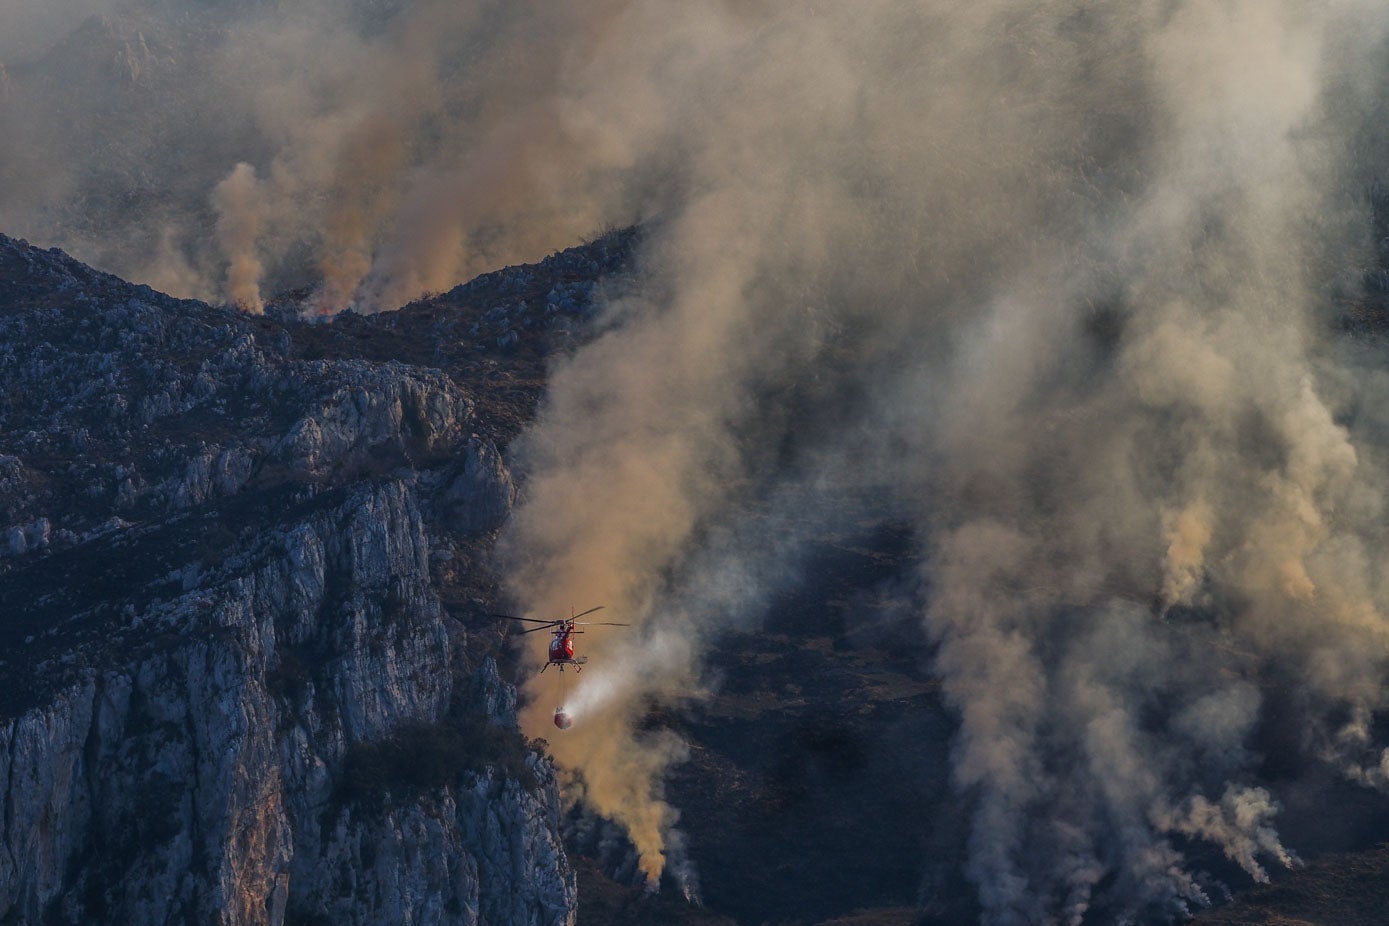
(246, 675)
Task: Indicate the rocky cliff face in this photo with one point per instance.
(246, 674)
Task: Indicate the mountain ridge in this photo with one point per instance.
(244, 569)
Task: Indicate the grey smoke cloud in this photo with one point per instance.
(1051, 280)
(1055, 279)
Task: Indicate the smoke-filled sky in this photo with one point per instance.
(1054, 281)
(375, 150)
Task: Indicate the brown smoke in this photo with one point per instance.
(238, 201)
(360, 198)
(400, 148)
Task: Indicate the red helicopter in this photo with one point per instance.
(562, 646)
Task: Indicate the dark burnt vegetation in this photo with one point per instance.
(495, 333)
(1362, 302)
(417, 759)
(1347, 890)
(815, 762)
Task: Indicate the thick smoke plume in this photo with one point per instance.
(1055, 278)
(237, 201)
(400, 146)
(1056, 281)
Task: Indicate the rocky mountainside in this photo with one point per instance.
(246, 675)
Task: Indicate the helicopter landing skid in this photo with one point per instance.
(578, 664)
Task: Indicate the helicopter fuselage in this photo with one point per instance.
(562, 649)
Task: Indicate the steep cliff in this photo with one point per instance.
(230, 688)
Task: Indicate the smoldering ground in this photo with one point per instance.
(1053, 281)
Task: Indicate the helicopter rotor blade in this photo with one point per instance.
(534, 629)
(589, 611)
(528, 620)
(601, 624)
